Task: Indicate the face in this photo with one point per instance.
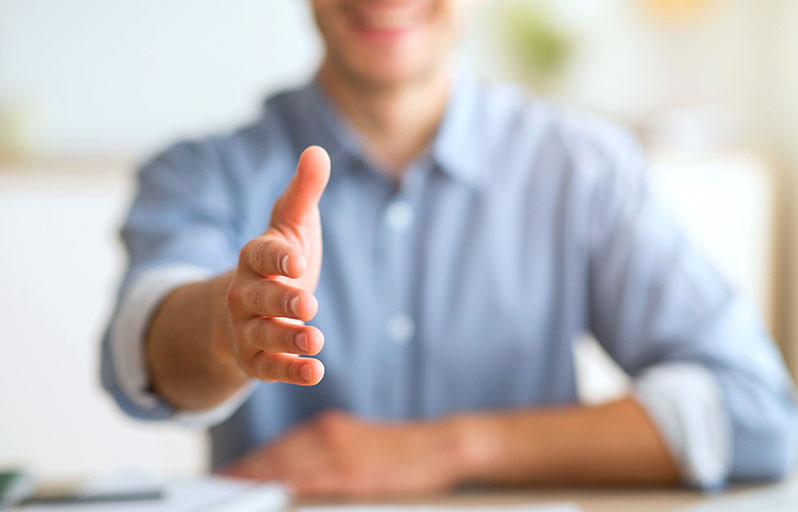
(389, 42)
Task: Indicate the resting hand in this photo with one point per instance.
(337, 454)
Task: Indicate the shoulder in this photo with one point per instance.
(230, 155)
(543, 132)
(594, 142)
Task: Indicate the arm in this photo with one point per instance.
(339, 454)
(611, 444)
(189, 347)
(656, 304)
(205, 339)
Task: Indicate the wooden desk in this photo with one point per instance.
(593, 500)
(589, 500)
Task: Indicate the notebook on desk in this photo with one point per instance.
(209, 494)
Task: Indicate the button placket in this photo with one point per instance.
(399, 215)
(398, 218)
(401, 328)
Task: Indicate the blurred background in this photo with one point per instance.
(89, 87)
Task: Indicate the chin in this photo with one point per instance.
(389, 71)
(392, 75)
(385, 42)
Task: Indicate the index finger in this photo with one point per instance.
(271, 256)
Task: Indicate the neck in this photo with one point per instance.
(397, 122)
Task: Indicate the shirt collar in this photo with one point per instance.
(321, 124)
(456, 149)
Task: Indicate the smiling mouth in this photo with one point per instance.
(388, 18)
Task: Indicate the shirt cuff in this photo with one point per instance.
(685, 403)
(128, 332)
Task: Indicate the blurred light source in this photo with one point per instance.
(678, 10)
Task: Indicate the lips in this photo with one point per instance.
(389, 16)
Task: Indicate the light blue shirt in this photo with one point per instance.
(464, 286)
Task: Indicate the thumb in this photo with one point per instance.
(303, 192)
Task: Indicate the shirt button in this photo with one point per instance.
(399, 215)
(401, 328)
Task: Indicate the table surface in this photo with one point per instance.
(589, 500)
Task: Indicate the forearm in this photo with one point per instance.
(611, 444)
(189, 354)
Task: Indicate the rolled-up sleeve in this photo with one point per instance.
(684, 401)
(181, 228)
(656, 301)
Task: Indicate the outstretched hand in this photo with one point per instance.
(271, 291)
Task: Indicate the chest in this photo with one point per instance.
(446, 296)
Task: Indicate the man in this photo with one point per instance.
(469, 235)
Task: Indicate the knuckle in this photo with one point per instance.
(258, 255)
(248, 252)
(256, 334)
(285, 304)
(287, 337)
(268, 368)
(233, 296)
(261, 256)
(258, 299)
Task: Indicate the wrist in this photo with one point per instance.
(471, 445)
(221, 331)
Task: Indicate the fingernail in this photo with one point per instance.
(302, 341)
(284, 264)
(294, 305)
(307, 372)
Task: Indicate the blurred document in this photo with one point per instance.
(196, 495)
(781, 497)
(551, 507)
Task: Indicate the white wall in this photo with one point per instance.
(97, 76)
(59, 264)
(122, 76)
